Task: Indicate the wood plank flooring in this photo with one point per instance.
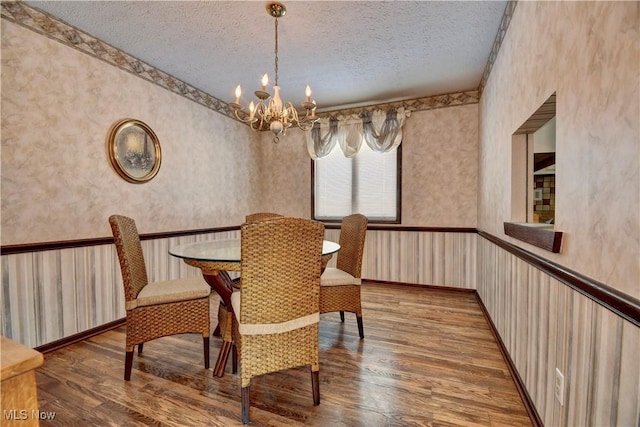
(428, 359)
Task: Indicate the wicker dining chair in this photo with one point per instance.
(156, 309)
(259, 216)
(340, 285)
(224, 316)
(275, 323)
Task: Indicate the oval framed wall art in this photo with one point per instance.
(134, 150)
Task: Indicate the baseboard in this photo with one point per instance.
(522, 390)
(81, 336)
(417, 285)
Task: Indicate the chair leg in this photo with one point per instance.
(140, 348)
(205, 342)
(245, 405)
(128, 363)
(234, 359)
(342, 316)
(360, 326)
(315, 384)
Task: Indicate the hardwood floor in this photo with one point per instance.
(428, 359)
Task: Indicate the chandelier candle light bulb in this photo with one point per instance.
(275, 115)
(277, 101)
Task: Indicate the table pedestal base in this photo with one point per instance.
(222, 284)
(224, 327)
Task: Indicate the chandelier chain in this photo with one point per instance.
(276, 51)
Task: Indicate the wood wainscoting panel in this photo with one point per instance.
(418, 257)
(52, 294)
(545, 324)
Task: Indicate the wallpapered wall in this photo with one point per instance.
(57, 183)
(592, 65)
(58, 105)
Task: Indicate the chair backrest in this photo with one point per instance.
(280, 269)
(259, 216)
(132, 266)
(352, 234)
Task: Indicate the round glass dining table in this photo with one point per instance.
(226, 252)
(215, 258)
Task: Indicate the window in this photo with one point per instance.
(368, 183)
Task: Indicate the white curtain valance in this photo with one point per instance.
(381, 130)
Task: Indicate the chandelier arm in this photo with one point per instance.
(244, 117)
(235, 113)
(305, 126)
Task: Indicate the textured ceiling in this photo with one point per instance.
(351, 53)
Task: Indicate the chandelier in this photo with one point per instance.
(270, 113)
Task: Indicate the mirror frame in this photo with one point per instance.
(115, 139)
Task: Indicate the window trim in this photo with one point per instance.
(398, 219)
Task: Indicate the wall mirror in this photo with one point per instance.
(134, 150)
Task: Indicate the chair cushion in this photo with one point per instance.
(335, 277)
(170, 291)
(269, 328)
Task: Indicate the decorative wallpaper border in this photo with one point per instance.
(418, 104)
(502, 31)
(49, 26)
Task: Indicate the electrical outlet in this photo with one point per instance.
(559, 387)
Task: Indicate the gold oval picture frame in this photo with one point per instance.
(134, 150)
